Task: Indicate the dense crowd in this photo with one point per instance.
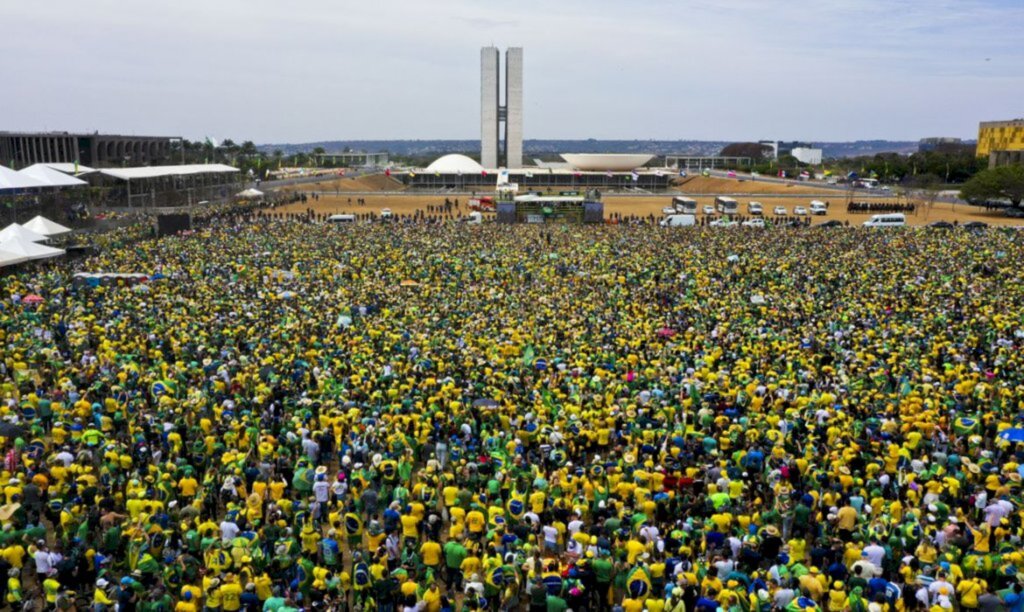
(393, 417)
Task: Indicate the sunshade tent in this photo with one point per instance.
(12, 180)
(7, 258)
(51, 177)
(250, 193)
(41, 225)
(16, 230)
(29, 249)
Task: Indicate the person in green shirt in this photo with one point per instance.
(556, 604)
(454, 554)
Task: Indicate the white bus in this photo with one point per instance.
(684, 205)
(726, 206)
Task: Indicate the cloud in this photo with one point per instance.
(268, 71)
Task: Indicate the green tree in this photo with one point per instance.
(994, 183)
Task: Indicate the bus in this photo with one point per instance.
(684, 205)
(726, 206)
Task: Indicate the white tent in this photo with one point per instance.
(53, 178)
(70, 168)
(249, 193)
(28, 249)
(42, 225)
(7, 258)
(20, 231)
(9, 179)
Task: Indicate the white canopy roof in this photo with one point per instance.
(29, 250)
(7, 258)
(42, 225)
(146, 172)
(53, 178)
(69, 168)
(9, 179)
(249, 193)
(15, 230)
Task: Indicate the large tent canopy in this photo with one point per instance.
(28, 249)
(8, 258)
(16, 231)
(148, 172)
(41, 225)
(53, 178)
(10, 179)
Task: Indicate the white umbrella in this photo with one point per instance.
(29, 249)
(42, 225)
(15, 230)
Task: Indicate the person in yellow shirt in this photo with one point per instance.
(231, 594)
(432, 598)
(430, 554)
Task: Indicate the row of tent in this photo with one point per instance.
(35, 177)
(21, 243)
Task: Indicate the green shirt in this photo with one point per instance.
(454, 553)
(557, 604)
(602, 569)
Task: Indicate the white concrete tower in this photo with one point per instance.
(513, 107)
(489, 64)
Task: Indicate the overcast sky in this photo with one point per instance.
(272, 71)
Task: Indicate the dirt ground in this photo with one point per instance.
(406, 204)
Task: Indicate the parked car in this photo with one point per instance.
(755, 222)
(942, 225)
(974, 225)
(780, 211)
(800, 211)
(722, 223)
(818, 207)
(709, 210)
(831, 223)
(1014, 212)
(755, 208)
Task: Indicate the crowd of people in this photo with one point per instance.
(294, 416)
(874, 208)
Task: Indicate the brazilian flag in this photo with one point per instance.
(638, 583)
(964, 426)
(164, 387)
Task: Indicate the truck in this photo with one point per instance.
(482, 204)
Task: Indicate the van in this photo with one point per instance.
(341, 219)
(891, 220)
(818, 208)
(755, 208)
(679, 221)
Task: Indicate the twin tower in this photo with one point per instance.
(493, 113)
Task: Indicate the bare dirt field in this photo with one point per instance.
(407, 204)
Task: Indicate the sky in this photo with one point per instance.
(291, 72)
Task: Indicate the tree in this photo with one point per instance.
(996, 183)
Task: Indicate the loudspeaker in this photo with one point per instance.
(172, 224)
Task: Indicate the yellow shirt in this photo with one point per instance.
(230, 596)
(431, 553)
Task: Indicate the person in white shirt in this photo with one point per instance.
(228, 531)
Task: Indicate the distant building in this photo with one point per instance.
(378, 160)
(781, 147)
(807, 155)
(939, 143)
(21, 149)
(1002, 142)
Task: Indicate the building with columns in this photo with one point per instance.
(22, 149)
